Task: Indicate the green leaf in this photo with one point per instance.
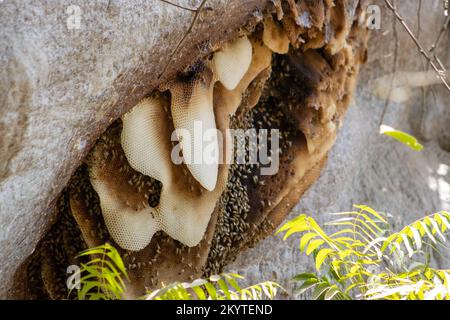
(417, 238)
(307, 285)
(427, 231)
(212, 292)
(321, 256)
(332, 293)
(268, 290)
(320, 290)
(370, 210)
(304, 276)
(101, 277)
(115, 257)
(87, 287)
(291, 223)
(407, 245)
(402, 137)
(199, 293)
(435, 227)
(359, 284)
(306, 238)
(442, 220)
(313, 245)
(223, 286)
(231, 280)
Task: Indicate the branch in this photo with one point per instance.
(179, 6)
(394, 71)
(440, 72)
(441, 32)
(194, 20)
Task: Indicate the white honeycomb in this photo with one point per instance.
(130, 229)
(183, 213)
(145, 139)
(230, 100)
(232, 62)
(193, 115)
(184, 208)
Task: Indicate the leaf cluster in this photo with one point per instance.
(364, 259)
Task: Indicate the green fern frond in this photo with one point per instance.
(354, 261)
(102, 278)
(302, 224)
(217, 287)
(432, 227)
(365, 224)
(425, 284)
(320, 288)
(261, 291)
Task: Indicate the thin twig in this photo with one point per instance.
(179, 6)
(194, 20)
(441, 32)
(438, 39)
(441, 73)
(394, 69)
(433, 50)
(423, 90)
